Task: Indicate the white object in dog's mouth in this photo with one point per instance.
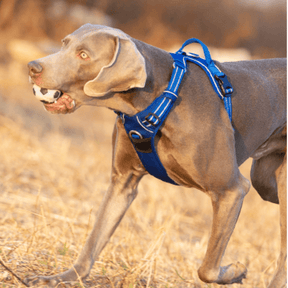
(55, 101)
(45, 95)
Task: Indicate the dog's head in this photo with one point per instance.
(94, 61)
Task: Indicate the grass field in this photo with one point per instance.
(54, 171)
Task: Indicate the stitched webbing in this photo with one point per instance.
(166, 100)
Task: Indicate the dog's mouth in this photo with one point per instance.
(55, 101)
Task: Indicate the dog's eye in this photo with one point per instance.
(83, 55)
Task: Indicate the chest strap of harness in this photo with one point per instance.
(143, 126)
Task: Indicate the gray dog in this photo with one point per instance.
(102, 66)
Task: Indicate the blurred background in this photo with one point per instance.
(233, 29)
(54, 169)
(258, 26)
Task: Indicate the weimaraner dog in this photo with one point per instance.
(103, 66)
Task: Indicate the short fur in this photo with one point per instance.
(198, 146)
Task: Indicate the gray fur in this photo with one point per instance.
(198, 146)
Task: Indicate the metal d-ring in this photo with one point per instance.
(135, 133)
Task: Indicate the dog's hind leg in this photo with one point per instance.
(269, 157)
(269, 178)
(263, 177)
(280, 277)
(226, 208)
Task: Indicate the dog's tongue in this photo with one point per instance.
(65, 104)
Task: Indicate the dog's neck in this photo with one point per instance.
(137, 99)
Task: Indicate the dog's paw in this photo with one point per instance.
(60, 280)
(233, 273)
(41, 281)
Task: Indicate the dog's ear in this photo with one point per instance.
(125, 71)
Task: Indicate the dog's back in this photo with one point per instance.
(259, 101)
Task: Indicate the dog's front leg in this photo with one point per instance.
(122, 191)
(226, 208)
(115, 203)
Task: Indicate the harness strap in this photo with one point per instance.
(143, 127)
(222, 86)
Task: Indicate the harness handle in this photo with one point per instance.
(204, 47)
(207, 55)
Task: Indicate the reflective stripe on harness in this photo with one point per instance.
(143, 127)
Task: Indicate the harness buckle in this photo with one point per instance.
(150, 121)
(224, 85)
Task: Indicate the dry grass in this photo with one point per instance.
(54, 171)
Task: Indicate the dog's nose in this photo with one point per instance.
(34, 68)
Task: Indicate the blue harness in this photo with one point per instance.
(143, 126)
